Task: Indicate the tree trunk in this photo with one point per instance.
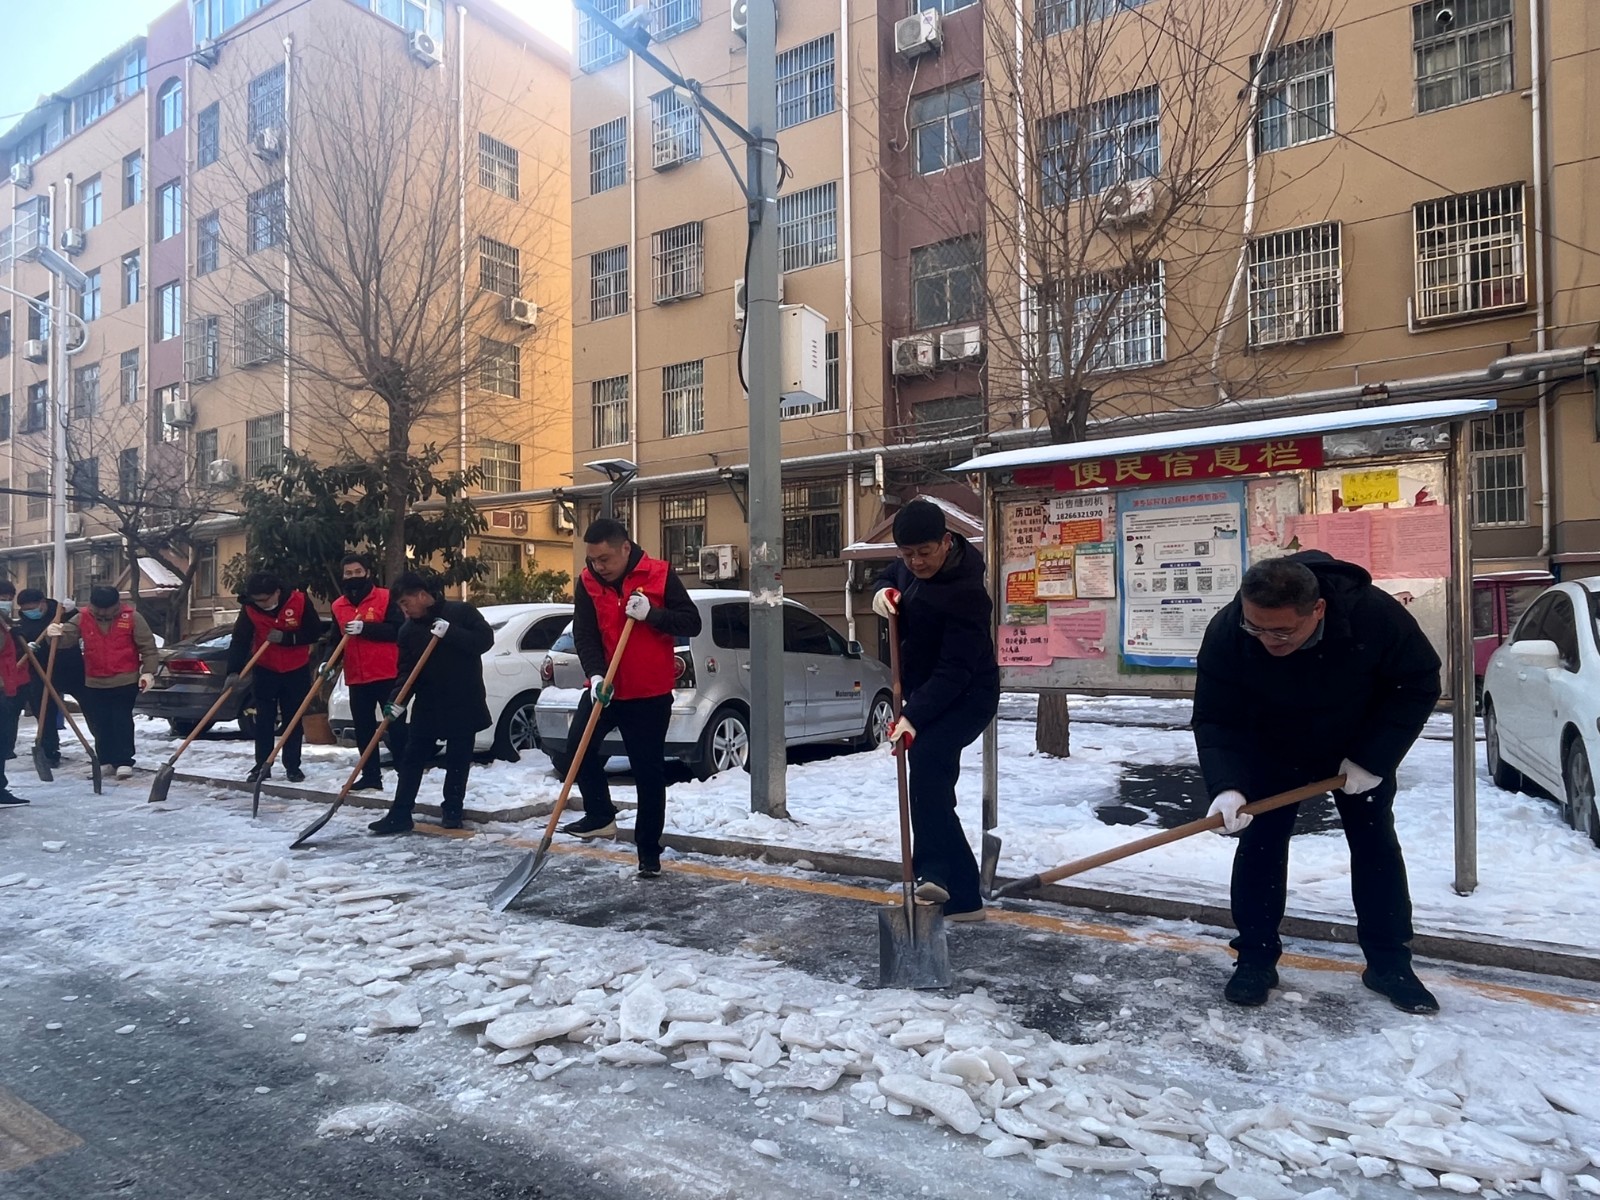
(1052, 730)
(396, 479)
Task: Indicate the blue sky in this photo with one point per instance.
(53, 43)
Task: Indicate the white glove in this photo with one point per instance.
(1227, 806)
(439, 628)
(145, 680)
(886, 602)
(1358, 781)
(637, 608)
(901, 734)
(54, 630)
(69, 605)
(354, 626)
(599, 690)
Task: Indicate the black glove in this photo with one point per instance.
(231, 683)
(275, 636)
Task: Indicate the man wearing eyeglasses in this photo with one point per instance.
(1312, 672)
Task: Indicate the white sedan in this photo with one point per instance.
(1541, 702)
(523, 634)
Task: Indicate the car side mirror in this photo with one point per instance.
(1536, 654)
(852, 650)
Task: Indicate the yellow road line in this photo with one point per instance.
(27, 1135)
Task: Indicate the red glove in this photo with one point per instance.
(901, 734)
(886, 602)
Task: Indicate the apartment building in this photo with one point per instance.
(1378, 201)
(216, 350)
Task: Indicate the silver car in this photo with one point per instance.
(831, 692)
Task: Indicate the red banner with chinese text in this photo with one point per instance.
(1175, 466)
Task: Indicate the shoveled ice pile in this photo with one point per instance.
(1476, 1108)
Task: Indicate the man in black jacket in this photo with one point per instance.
(952, 686)
(34, 614)
(1313, 672)
(448, 703)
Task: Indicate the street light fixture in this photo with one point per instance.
(620, 471)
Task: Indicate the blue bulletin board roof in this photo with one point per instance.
(1428, 412)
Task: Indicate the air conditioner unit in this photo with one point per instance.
(22, 174)
(521, 312)
(918, 35)
(425, 48)
(1128, 203)
(739, 14)
(268, 142)
(669, 152)
(179, 412)
(961, 345)
(72, 241)
(912, 355)
(719, 564)
(564, 517)
(221, 472)
(207, 53)
(74, 526)
(740, 306)
(35, 350)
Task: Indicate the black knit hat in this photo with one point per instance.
(919, 522)
(104, 597)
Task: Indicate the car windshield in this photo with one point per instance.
(211, 639)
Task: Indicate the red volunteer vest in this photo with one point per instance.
(366, 661)
(648, 667)
(112, 652)
(14, 669)
(291, 613)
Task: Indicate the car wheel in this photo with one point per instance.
(562, 763)
(1580, 791)
(1507, 779)
(725, 744)
(878, 718)
(514, 731)
(181, 729)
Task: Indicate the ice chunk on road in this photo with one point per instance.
(642, 1010)
(950, 1104)
(515, 1030)
(398, 1016)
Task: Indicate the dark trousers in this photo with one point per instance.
(365, 701)
(277, 695)
(420, 747)
(1377, 880)
(50, 736)
(940, 850)
(109, 712)
(643, 726)
(10, 711)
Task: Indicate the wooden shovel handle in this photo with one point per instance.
(50, 690)
(49, 673)
(902, 781)
(400, 698)
(588, 733)
(329, 669)
(200, 726)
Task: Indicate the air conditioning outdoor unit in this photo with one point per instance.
(563, 516)
(221, 472)
(719, 564)
(207, 53)
(740, 306)
(912, 355)
(1128, 203)
(35, 350)
(72, 241)
(179, 412)
(425, 48)
(74, 526)
(22, 174)
(669, 152)
(918, 35)
(268, 142)
(521, 312)
(739, 14)
(961, 345)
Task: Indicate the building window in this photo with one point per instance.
(38, 495)
(1470, 255)
(805, 82)
(90, 301)
(1296, 94)
(608, 407)
(132, 179)
(39, 318)
(1463, 51)
(498, 168)
(162, 401)
(169, 108)
(91, 203)
(169, 210)
(169, 311)
(945, 7)
(205, 572)
(1117, 140)
(669, 17)
(678, 257)
(263, 444)
(947, 126)
(207, 449)
(596, 47)
(208, 136)
(1499, 469)
(683, 395)
(202, 349)
(5, 317)
(130, 278)
(266, 103)
(83, 484)
(258, 330)
(947, 282)
(128, 377)
(947, 417)
(608, 156)
(128, 474)
(808, 228)
(5, 421)
(608, 283)
(410, 15)
(208, 244)
(683, 530)
(502, 466)
(264, 217)
(1124, 315)
(500, 367)
(86, 390)
(811, 524)
(38, 414)
(1058, 16)
(1296, 288)
(499, 267)
(89, 106)
(499, 559)
(674, 129)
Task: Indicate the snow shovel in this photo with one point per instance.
(50, 690)
(400, 698)
(163, 780)
(990, 862)
(326, 673)
(514, 884)
(41, 760)
(912, 950)
(1033, 882)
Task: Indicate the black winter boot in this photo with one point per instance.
(1250, 984)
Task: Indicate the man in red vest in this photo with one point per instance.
(283, 618)
(119, 662)
(15, 675)
(371, 618)
(619, 584)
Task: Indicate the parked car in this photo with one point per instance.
(1541, 702)
(831, 692)
(523, 633)
(1498, 601)
(189, 680)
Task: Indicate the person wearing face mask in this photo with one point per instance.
(119, 662)
(14, 677)
(285, 620)
(370, 616)
(34, 614)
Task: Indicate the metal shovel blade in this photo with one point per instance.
(990, 863)
(94, 769)
(523, 874)
(161, 784)
(41, 763)
(914, 955)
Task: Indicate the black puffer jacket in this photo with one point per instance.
(946, 650)
(449, 692)
(1264, 725)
